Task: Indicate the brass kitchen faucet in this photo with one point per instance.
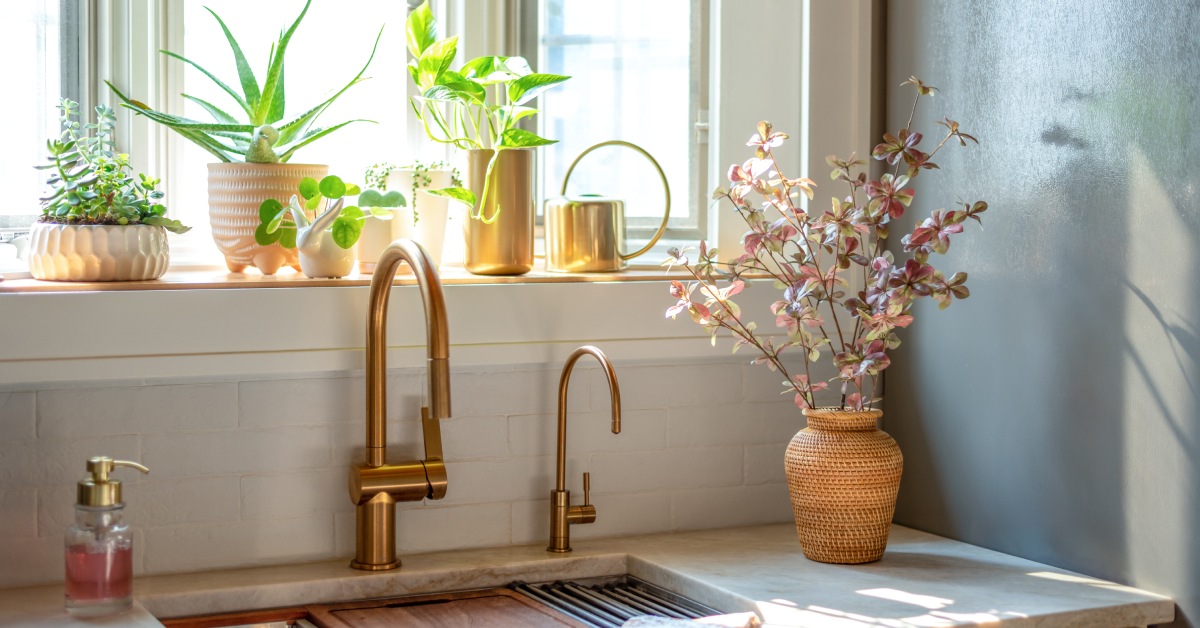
(376, 486)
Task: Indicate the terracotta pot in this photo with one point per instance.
(843, 475)
(504, 247)
(97, 252)
(235, 191)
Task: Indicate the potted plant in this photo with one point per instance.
(843, 473)
(98, 222)
(254, 154)
(456, 108)
(326, 245)
(424, 220)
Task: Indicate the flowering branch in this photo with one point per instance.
(853, 232)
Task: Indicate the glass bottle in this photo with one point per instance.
(99, 545)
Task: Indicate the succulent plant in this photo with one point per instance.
(92, 184)
(262, 137)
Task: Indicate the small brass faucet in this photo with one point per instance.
(562, 513)
(376, 486)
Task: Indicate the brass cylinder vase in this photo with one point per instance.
(843, 475)
(499, 235)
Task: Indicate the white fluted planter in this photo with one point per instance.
(97, 252)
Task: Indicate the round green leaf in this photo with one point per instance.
(268, 210)
(346, 231)
(333, 187)
(370, 198)
(266, 238)
(309, 187)
(393, 199)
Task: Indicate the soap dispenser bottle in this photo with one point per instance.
(99, 548)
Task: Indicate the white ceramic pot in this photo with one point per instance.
(97, 252)
(431, 211)
(324, 258)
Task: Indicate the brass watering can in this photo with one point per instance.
(586, 233)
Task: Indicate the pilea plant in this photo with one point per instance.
(277, 223)
(811, 255)
(262, 137)
(90, 183)
(376, 179)
(455, 107)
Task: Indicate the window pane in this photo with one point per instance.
(32, 34)
(327, 50)
(632, 80)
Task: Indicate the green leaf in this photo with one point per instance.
(332, 187)
(345, 231)
(245, 74)
(219, 83)
(462, 195)
(353, 212)
(381, 213)
(435, 60)
(313, 203)
(420, 30)
(352, 189)
(273, 86)
(288, 239)
(520, 138)
(267, 238)
(213, 110)
(529, 87)
(309, 187)
(268, 210)
(370, 198)
(393, 199)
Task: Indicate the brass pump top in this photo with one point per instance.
(98, 491)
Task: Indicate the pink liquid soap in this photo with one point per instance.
(99, 579)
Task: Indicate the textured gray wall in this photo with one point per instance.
(1054, 414)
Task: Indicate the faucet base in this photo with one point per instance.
(369, 567)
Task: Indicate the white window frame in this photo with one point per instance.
(523, 323)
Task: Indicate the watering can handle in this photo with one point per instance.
(661, 175)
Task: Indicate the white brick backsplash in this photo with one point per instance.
(724, 507)
(671, 468)
(18, 512)
(321, 401)
(474, 438)
(430, 528)
(733, 424)
(237, 451)
(764, 463)
(616, 515)
(26, 561)
(295, 494)
(526, 391)
(151, 503)
(17, 417)
(75, 412)
(537, 435)
(511, 479)
(54, 462)
(198, 547)
(668, 386)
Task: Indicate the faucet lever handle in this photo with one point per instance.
(587, 488)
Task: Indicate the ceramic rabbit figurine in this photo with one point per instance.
(320, 256)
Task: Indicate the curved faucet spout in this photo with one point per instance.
(437, 342)
(614, 393)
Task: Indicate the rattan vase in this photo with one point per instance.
(843, 475)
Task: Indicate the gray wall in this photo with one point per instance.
(1053, 415)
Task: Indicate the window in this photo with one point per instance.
(42, 34)
(638, 76)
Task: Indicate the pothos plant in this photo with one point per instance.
(277, 222)
(263, 136)
(376, 180)
(92, 184)
(811, 255)
(455, 106)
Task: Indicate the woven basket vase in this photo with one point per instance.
(843, 475)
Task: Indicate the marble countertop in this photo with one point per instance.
(923, 580)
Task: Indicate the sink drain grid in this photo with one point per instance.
(610, 602)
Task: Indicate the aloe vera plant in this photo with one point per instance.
(262, 137)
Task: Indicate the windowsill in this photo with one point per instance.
(210, 279)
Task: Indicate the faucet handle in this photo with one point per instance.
(587, 488)
(585, 513)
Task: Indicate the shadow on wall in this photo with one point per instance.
(1053, 415)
